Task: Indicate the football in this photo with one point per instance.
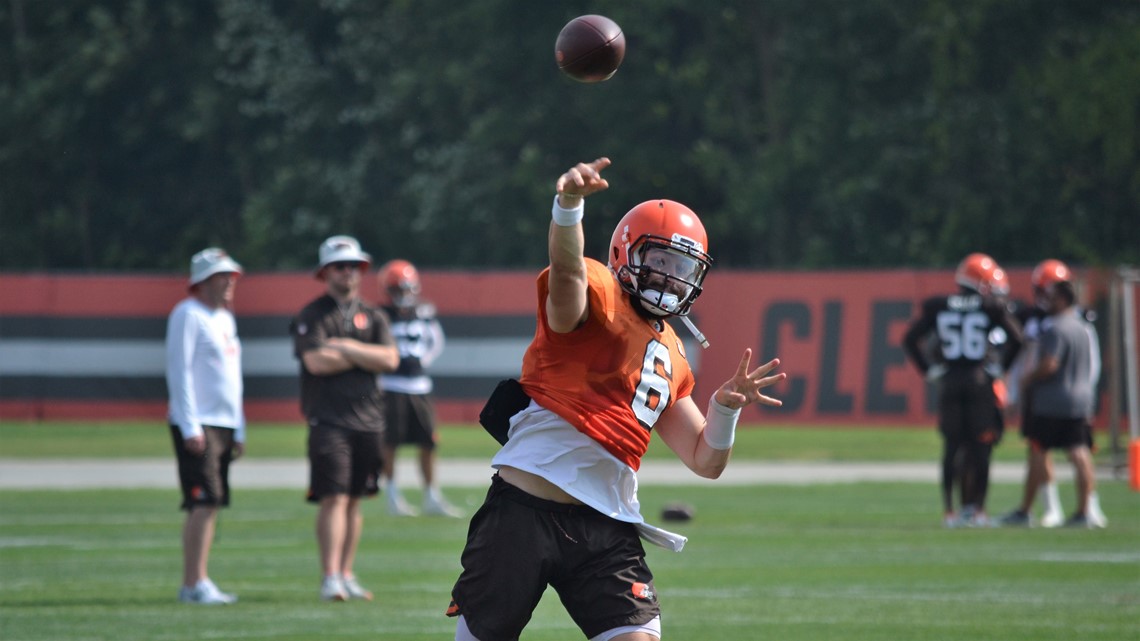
(590, 48)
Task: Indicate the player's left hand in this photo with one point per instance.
(744, 387)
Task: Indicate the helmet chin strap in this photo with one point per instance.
(696, 332)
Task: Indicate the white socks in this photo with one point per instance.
(1050, 498)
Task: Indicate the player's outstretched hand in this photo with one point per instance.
(583, 179)
(744, 387)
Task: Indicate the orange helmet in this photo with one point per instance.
(1049, 278)
(976, 272)
(400, 281)
(1050, 272)
(999, 282)
(658, 253)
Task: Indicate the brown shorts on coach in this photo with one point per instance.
(205, 478)
(343, 461)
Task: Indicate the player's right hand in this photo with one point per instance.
(195, 445)
(581, 180)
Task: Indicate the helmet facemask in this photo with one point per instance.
(665, 276)
(404, 293)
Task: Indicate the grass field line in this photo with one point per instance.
(293, 473)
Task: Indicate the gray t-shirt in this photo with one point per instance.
(1069, 392)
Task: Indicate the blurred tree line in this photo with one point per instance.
(808, 134)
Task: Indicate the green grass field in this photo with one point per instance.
(847, 562)
(140, 440)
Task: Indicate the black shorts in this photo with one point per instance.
(343, 461)
(205, 478)
(1058, 433)
(967, 407)
(409, 419)
(518, 544)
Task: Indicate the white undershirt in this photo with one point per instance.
(544, 444)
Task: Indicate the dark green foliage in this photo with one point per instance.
(815, 135)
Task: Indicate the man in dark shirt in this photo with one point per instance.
(967, 408)
(342, 344)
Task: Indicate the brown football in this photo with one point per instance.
(590, 48)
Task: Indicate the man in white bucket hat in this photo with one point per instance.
(342, 344)
(207, 421)
(341, 249)
(210, 261)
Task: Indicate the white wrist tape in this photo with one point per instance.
(720, 425)
(568, 217)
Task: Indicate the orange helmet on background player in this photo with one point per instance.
(976, 272)
(659, 254)
(1050, 272)
(999, 282)
(1049, 277)
(400, 281)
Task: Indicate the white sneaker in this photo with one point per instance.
(397, 506)
(332, 589)
(1097, 519)
(354, 590)
(205, 593)
(1096, 515)
(438, 506)
(980, 519)
(1052, 519)
(1085, 521)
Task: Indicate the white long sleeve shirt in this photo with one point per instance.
(203, 369)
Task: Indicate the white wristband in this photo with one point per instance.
(568, 217)
(720, 425)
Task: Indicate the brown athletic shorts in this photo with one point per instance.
(408, 419)
(517, 544)
(343, 461)
(205, 478)
(1058, 433)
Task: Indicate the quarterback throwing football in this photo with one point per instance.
(604, 370)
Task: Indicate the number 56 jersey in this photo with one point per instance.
(614, 376)
(962, 324)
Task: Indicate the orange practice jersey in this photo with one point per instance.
(612, 377)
